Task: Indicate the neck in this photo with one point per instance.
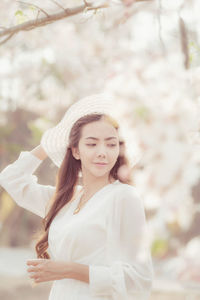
(89, 187)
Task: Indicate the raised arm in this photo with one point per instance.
(20, 183)
(39, 152)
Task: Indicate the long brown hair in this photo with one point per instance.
(68, 175)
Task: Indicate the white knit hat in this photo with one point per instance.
(55, 140)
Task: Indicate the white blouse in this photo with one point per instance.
(109, 234)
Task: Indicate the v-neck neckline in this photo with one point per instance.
(76, 202)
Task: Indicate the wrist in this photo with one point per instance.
(67, 270)
(39, 152)
(78, 271)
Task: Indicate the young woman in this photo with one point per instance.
(95, 228)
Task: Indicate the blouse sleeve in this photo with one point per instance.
(20, 183)
(128, 273)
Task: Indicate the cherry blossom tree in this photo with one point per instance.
(146, 55)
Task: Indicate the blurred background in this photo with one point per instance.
(147, 55)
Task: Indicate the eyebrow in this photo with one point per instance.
(106, 139)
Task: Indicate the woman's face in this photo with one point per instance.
(99, 143)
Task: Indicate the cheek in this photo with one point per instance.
(87, 154)
(116, 152)
(113, 155)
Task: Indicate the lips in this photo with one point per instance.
(101, 164)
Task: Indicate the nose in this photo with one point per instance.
(101, 151)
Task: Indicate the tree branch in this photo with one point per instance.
(6, 39)
(159, 14)
(39, 22)
(39, 8)
(183, 38)
(184, 42)
(58, 4)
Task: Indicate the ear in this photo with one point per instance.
(75, 153)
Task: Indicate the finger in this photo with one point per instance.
(32, 275)
(33, 283)
(37, 280)
(34, 262)
(33, 269)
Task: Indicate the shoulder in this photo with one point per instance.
(124, 189)
(126, 195)
(126, 203)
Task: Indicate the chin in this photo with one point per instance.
(99, 173)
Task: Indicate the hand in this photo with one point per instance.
(39, 152)
(47, 270)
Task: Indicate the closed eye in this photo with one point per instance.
(112, 145)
